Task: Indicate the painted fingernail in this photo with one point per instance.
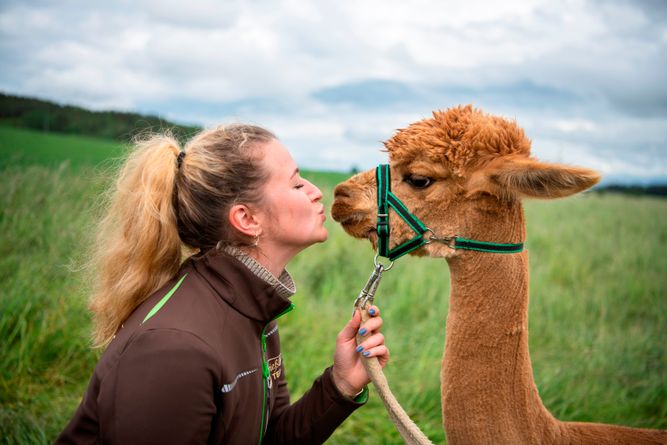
(362, 331)
(371, 311)
(366, 353)
(359, 348)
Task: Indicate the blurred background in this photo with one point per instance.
(587, 80)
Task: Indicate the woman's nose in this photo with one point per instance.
(314, 192)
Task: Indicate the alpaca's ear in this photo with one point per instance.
(525, 177)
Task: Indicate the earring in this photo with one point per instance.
(255, 240)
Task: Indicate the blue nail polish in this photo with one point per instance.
(359, 348)
(362, 331)
(371, 311)
(366, 353)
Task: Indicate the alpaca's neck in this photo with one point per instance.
(488, 391)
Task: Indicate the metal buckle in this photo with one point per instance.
(449, 241)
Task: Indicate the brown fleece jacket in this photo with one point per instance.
(199, 363)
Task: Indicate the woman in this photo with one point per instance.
(192, 350)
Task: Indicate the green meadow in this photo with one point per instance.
(21, 147)
(598, 311)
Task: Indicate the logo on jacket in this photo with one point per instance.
(275, 367)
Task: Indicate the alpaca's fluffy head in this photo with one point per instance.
(462, 173)
(458, 139)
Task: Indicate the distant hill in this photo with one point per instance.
(637, 190)
(50, 117)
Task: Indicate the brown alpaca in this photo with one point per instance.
(463, 172)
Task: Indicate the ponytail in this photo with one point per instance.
(164, 206)
(137, 247)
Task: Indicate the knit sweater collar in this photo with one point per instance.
(284, 285)
(245, 284)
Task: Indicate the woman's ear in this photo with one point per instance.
(242, 218)
(524, 177)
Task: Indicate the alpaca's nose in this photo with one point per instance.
(342, 191)
(342, 205)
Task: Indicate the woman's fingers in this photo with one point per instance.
(370, 326)
(373, 346)
(380, 352)
(371, 342)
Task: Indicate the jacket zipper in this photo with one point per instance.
(266, 376)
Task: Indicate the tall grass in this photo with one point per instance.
(44, 355)
(598, 313)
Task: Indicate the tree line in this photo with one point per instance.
(41, 115)
(637, 190)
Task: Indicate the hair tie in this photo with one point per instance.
(179, 159)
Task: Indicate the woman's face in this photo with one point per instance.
(292, 214)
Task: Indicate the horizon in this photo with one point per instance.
(606, 181)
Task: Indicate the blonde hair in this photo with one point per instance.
(163, 205)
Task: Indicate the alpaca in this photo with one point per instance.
(463, 173)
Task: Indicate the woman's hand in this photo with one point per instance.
(348, 370)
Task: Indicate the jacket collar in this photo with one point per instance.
(284, 284)
(245, 284)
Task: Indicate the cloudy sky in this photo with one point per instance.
(586, 79)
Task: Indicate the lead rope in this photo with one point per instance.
(408, 430)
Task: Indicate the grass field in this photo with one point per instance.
(598, 314)
(20, 147)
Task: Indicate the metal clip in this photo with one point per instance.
(367, 294)
(449, 241)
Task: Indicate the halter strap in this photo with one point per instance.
(387, 199)
(483, 246)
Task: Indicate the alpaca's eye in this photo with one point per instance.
(418, 182)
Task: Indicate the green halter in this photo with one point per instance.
(387, 199)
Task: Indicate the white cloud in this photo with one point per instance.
(574, 125)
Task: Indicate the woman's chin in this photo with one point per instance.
(321, 236)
